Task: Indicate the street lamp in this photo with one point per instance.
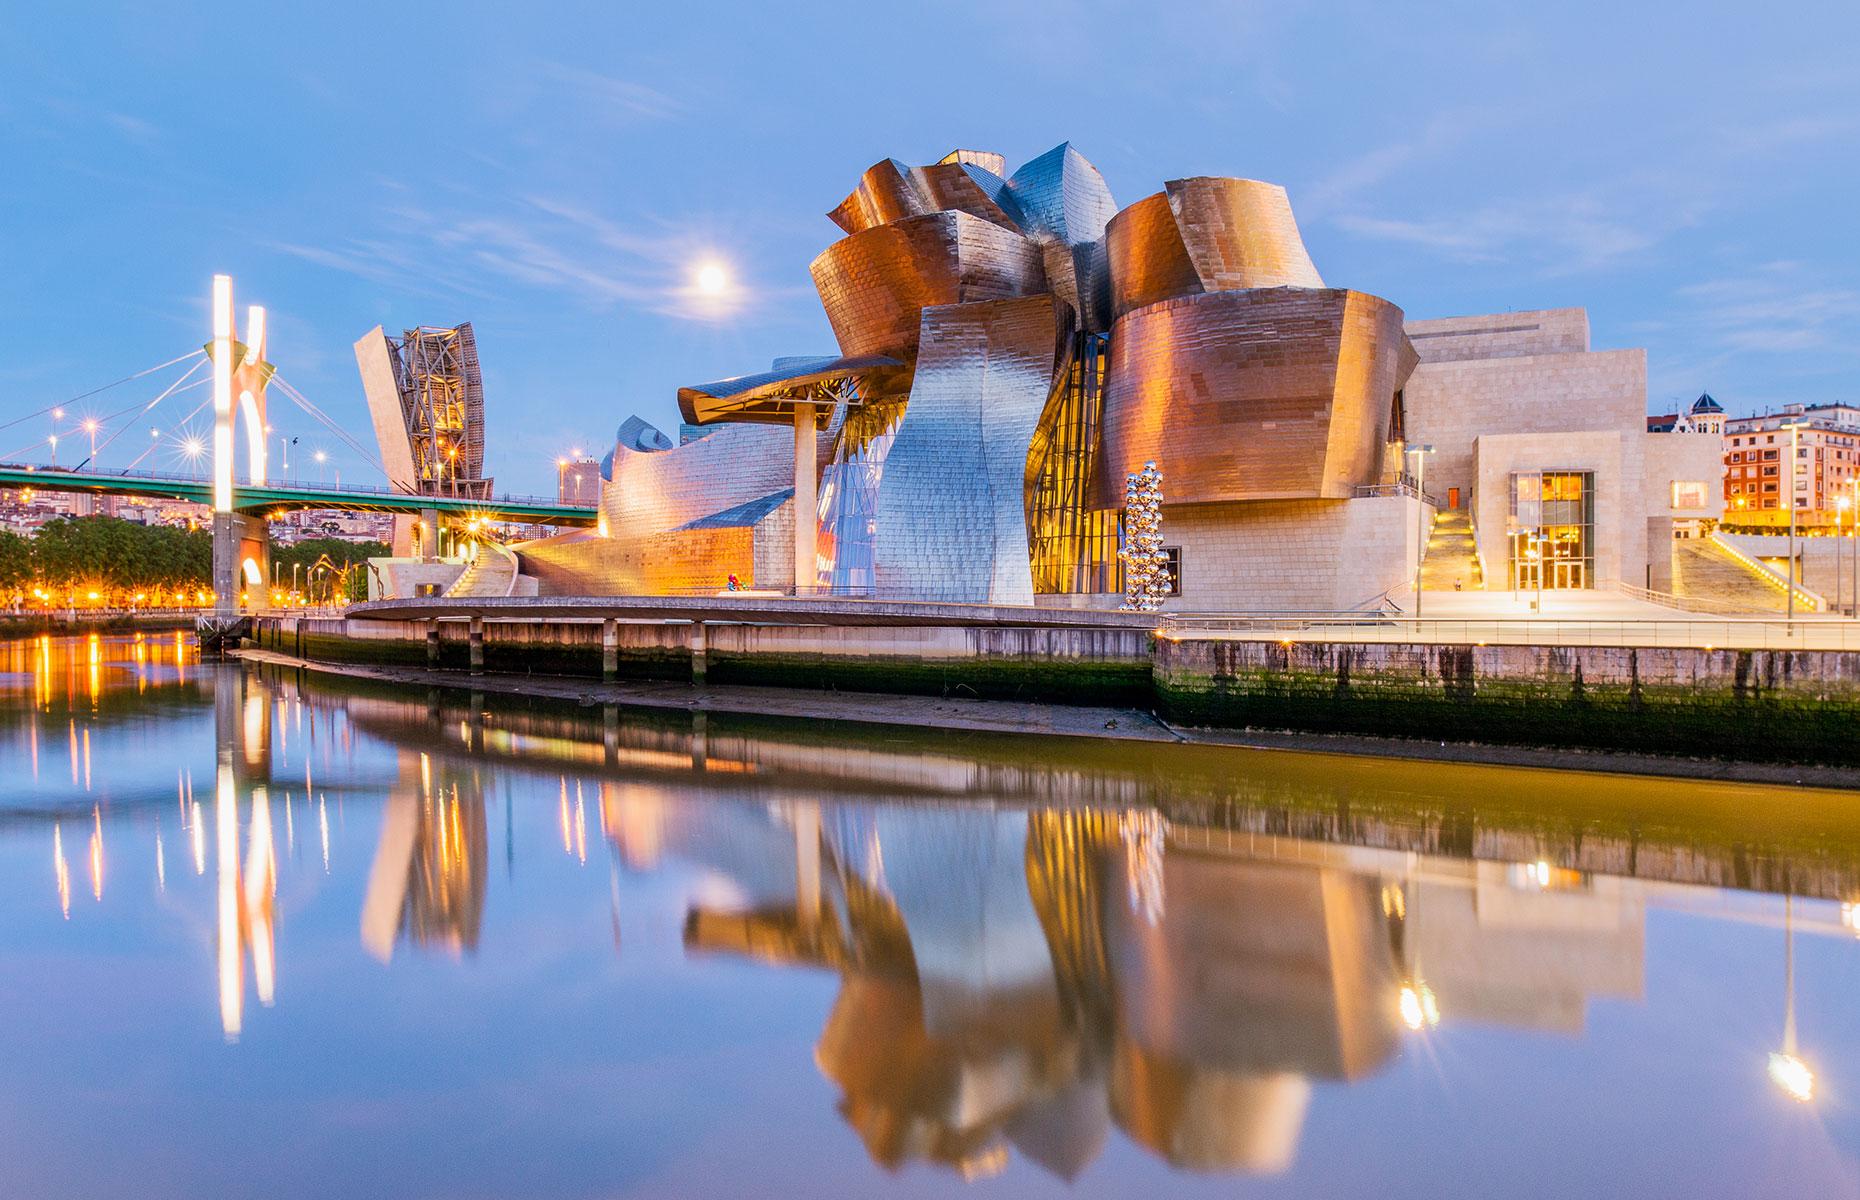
(1795, 431)
(1420, 516)
(1840, 516)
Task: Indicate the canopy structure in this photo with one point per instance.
(777, 397)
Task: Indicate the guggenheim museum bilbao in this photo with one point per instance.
(1013, 346)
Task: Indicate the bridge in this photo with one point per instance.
(447, 490)
(272, 499)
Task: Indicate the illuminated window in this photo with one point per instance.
(1174, 568)
(1688, 494)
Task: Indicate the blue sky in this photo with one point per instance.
(556, 174)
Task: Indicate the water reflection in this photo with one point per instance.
(1035, 950)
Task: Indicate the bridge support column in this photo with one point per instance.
(477, 645)
(432, 645)
(699, 663)
(429, 535)
(238, 539)
(610, 650)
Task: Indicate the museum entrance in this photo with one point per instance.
(1551, 527)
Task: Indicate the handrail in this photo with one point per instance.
(1724, 633)
(1812, 599)
(1702, 604)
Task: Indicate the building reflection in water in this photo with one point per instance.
(428, 879)
(1030, 979)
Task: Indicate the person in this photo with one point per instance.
(735, 584)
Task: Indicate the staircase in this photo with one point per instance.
(492, 573)
(1450, 556)
(1704, 570)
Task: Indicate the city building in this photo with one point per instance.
(1012, 347)
(1757, 475)
(578, 481)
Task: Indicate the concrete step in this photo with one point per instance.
(490, 574)
(1451, 557)
(1704, 570)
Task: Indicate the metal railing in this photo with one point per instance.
(1697, 604)
(1802, 594)
(357, 489)
(1774, 633)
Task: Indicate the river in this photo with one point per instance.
(267, 933)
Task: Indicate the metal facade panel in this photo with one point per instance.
(1274, 393)
(1148, 260)
(876, 283)
(376, 362)
(1240, 233)
(886, 193)
(1065, 204)
(952, 503)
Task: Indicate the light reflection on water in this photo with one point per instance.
(430, 947)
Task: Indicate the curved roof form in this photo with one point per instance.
(964, 181)
(1065, 205)
(770, 398)
(876, 283)
(1206, 235)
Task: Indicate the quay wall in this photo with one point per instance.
(1048, 665)
(1746, 705)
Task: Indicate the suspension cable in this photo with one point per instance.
(106, 387)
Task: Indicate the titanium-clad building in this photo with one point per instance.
(1011, 347)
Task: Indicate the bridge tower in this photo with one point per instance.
(241, 543)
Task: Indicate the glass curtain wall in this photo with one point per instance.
(1073, 547)
(849, 497)
(1551, 528)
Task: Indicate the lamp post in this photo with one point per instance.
(1840, 514)
(1795, 431)
(1420, 517)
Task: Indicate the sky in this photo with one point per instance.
(560, 174)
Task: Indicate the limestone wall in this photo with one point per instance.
(1292, 555)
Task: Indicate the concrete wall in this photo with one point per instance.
(1292, 555)
(395, 579)
(1620, 525)
(587, 564)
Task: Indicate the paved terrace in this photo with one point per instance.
(1494, 618)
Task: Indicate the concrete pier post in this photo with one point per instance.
(432, 644)
(610, 650)
(610, 733)
(700, 740)
(477, 645)
(475, 723)
(806, 502)
(699, 657)
(429, 535)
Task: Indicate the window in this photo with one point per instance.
(1688, 494)
(1770, 455)
(1769, 470)
(1174, 568)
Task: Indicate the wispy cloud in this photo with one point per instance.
(607, 96)
(1779, 308)
(1562, 234)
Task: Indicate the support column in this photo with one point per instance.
(610, 650)
(699, 664)
(807, 866)
(477, 645)
(806, 505)
(432, 645)
(429, 535)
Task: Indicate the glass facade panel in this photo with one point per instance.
(848, 508)
(1072, 546)
(1551, 529)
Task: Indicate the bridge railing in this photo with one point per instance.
(356, 489)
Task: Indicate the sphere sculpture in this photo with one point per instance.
(1146, 566)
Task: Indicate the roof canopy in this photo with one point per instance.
(770, 398)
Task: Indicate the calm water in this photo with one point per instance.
(270, 935)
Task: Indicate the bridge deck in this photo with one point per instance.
(271, 498)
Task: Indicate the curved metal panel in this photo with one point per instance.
(1274, 393)
(951, 507)
(1148, 261)
(876, 283)
(1065, 204)
(886, 193)
(1240, 233)
(769, 398)
(965, 187)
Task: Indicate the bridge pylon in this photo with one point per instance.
(241, 544)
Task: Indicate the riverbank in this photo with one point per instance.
(1107, 723)
(40, 624)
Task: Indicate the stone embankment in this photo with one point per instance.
(1756, 706)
